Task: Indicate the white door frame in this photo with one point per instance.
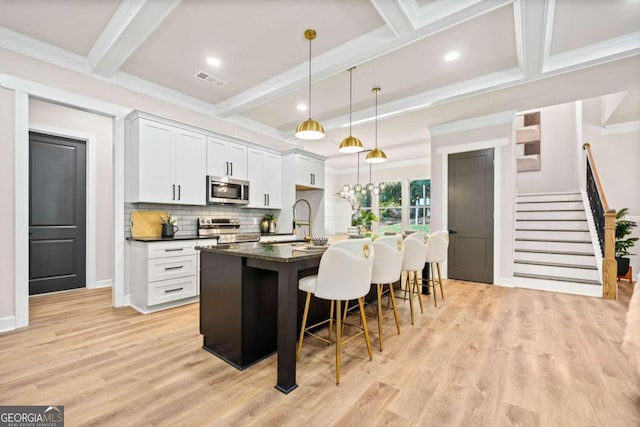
(23, 90)
(90, 190)
(496, 144)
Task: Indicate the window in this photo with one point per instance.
(391, 207)
(420, 205)
(365, 201)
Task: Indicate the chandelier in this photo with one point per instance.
(352, 190)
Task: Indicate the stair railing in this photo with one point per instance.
(605, 221)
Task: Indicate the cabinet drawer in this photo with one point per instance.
(171, 290)
(171, 268)
(170, 249)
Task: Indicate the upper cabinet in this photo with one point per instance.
(309, 172)
(264, 170)
(164, 164)
(225, 158)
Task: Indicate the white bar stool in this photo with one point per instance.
(415, 251)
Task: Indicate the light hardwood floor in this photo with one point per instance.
(487, 356)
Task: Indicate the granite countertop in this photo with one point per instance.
(278, 252)
(169, 239)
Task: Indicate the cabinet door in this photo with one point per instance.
(155, 173)
(256, 174)
(273, 180)
(237, 158)
(317, 173)
(190, 168)
(217, 163)
(303, 170)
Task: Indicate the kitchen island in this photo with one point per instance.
(249, 302)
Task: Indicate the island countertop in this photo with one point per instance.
(278, 252)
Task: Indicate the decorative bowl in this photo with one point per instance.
(320, 241)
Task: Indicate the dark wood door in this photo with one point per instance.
(57, 194)
(470, 216)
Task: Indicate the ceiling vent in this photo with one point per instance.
(212, 80)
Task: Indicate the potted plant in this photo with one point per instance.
(169, 226)
(624, 243)
(364, 220)
(265, 224)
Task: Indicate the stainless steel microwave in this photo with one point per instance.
(222, 189)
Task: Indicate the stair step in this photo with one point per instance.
(557, 264)
(562, 270)
(553, 245)
(563, 257)
(551, 215)
(563, 197)
(554, 235)
(550, 206)
(559, 279)
(552, 224)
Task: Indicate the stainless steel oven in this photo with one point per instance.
(221, 189)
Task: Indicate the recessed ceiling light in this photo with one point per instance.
(214, 61)
(452, 56)
(302, 107)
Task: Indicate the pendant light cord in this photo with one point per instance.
(376, 119)
(309, 78)
(350, 97)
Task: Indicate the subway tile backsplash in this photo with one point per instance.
(187, 216)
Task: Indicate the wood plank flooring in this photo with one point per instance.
(487, 356)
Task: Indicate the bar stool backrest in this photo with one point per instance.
(415, 253)
(437, 246)
(387, 265)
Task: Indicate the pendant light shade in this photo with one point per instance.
(376, 155)
(350, 144)
(310, 129)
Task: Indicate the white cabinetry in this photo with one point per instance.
(164, 164)
(309, 171)
(164, 274)
(226, 158)
(264, 170)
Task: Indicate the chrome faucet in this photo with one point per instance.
(297, 222)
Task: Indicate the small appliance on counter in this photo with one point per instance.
(227, 230)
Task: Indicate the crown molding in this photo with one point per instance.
(473, 123)
(626, 127)
(421, 16)
(386, 165)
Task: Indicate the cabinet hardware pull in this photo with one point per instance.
(166, 291)
(264, 196)
(178, 267)
(173, 250)
(268, 200)
(227, 172)
(231, 163)
(173, 197)
(179, 192)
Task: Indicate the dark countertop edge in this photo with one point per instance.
(224, 250)
(167, 239)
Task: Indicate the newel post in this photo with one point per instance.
(609, 264)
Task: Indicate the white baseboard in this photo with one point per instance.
(126, 301)
(104, 283)
(504, 281)
(7, 323)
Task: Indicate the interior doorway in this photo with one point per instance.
(57, 213)
(470, 215)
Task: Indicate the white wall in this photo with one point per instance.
(45, 113)
(559, 153)
(7, 273)
(617, 158)
(505, 179)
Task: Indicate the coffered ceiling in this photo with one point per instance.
(506, 48)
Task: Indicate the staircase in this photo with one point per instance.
(553, 247)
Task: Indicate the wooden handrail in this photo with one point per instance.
(596, 176)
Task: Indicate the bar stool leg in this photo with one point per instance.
(330, 321)
(338, 340)
(410, 286)
(304, 325)
(364, 326)
(440, 281)
(379, 289)
(393, 304)
(433, 283)
(418, 291)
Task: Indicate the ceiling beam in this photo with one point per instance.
(128, 28)
(533, 27)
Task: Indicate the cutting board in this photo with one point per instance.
(147, 223)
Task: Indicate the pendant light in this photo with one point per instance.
(376, 155)
(350, 144)
(310, 129)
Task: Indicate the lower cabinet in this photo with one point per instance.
(164, 274)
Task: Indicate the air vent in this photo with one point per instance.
(212, 80)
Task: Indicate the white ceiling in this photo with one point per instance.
(508, 48)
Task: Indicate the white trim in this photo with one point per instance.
(473, 146)
(21, 209)
(90, 192)
(104, 284)
(626, 127)
(504, 281)
(386, 165)
(505, 117)
(21, 184)
(495, 144)
(7, 323)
